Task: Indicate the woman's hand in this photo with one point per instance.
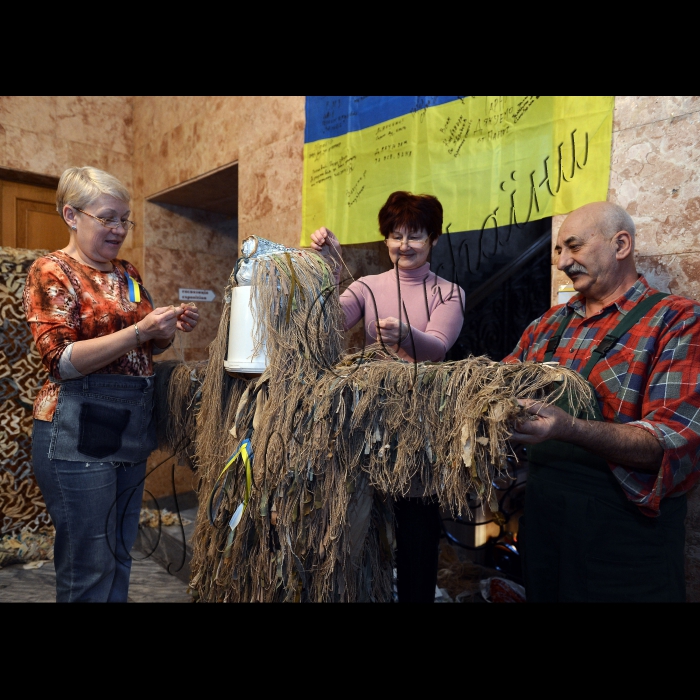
(391, 331)
(322, 239)
(160, 324)
(188, 317)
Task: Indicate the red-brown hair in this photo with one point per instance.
(412, 212)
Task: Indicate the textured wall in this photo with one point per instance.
(655, 158)
(655, 177)
(194, 249)
(177, 139)
(180, 138)
(46, 135)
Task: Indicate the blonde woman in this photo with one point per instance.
(96, 330)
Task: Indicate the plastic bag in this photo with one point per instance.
(500, 590)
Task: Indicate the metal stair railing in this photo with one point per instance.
(505, 273)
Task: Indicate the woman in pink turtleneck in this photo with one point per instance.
(419, 315)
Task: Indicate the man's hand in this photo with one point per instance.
(627, 445)
(541, 423)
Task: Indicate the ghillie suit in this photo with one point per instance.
(178, 392)
(298, 466)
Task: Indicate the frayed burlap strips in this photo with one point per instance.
(334, 437)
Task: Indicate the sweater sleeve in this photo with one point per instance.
(441, 332)
(353, 302)
(352, 299)
(52, 311)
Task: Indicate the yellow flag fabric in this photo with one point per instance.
(491, 161)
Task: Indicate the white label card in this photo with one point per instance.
(196, 295)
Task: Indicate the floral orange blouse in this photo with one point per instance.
(66, 301)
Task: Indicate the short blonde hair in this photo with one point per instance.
(79, 187)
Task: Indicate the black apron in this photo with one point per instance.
(581, 539)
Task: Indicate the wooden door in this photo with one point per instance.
(29, 219)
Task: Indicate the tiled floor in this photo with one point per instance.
(150, 581)
(18, 585)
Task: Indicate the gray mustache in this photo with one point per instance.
(575, 268)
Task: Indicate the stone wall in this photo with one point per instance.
(194, 249)
(178, 139)
(46, 135)
(655, 177)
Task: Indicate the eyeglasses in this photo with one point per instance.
(415, 240)
(111, 223)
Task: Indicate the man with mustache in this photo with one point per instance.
(606, 492)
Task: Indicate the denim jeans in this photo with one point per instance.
(95, 508)
(104, 418)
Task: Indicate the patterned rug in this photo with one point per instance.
(21, 374)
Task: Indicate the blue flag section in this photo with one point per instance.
(328, 116)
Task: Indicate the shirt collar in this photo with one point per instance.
(418, 274)
(623, 303)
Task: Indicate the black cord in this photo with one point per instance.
(492, 541)
(184, 443)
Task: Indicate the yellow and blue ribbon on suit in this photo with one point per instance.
(243, 451)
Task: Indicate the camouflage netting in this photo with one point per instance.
(334, 437)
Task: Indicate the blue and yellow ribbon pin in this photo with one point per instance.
(134, 288)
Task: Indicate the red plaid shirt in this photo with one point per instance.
(650, 379)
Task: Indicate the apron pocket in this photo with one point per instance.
(101, 429)
(644, 580)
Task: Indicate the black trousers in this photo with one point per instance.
(583, 541)
(417, 547)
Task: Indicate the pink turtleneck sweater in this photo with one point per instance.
(433, 308)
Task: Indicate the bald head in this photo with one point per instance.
(605, 217)
(595, 248)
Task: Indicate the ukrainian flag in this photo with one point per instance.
(490, 160)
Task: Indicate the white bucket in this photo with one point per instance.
(240, 336)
